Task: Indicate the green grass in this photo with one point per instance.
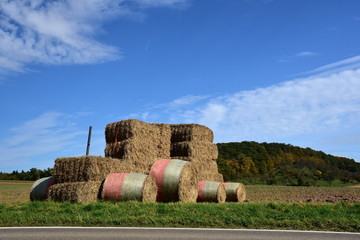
(341, 216)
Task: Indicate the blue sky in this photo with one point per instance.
(261, 70)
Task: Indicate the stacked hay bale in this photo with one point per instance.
(187, 167)
(79, 179)
(137, 144)
(194, 143)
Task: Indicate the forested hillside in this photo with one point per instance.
(283, 163)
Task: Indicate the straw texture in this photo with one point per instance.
(81, 169)
(76, 192)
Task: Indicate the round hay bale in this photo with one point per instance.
(40, 189)
(129, 186)
(235, 192)
(211, 192)
(175, 180)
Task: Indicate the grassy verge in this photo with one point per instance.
(341, 216)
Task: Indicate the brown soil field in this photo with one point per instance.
(19, 191)
(261, 193)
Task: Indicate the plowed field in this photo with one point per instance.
(260, 193)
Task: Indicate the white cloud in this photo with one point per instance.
(61, 31)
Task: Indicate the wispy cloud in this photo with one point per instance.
(306, 54)
(61, 31)
(342, 65)
(176, 105)
(50, 133)
(295, 56)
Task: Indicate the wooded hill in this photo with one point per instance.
(283, 163)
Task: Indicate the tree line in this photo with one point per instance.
(277, 163)
(32, 175)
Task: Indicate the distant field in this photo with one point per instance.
(14, 191)
(18, 191)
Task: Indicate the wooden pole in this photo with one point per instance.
(88, 142)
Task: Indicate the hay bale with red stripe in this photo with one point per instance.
(235, 192)
(196, 151)
(175, 180)
(190, 132)
(211, 192)
(40, 189)
(129, 187)
(85, 168)
(76, 192)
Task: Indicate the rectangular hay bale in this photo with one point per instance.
(131, 128)
(207, 171)
(197, 151)
(191, 132)
(134, 139)
(76, 192)
(80, 169)
(136, 150)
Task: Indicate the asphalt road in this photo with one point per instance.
(80, 233)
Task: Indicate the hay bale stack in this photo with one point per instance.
(81, 169)
(211, 192)
(235, 192)
(40, 189)
(129, 186)
(175, 180)
(193, 142)
(142, 143)
(76, 192)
